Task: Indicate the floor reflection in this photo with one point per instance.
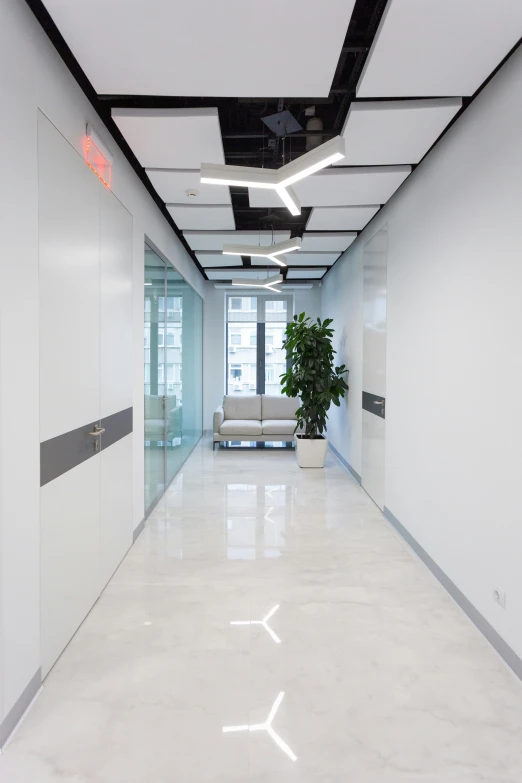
(263, 622)
(267, 726)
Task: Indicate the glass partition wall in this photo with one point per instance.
(173, 373)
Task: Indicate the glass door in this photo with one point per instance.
(173, 370)
(154, 377)
(192, 368)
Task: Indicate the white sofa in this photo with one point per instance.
(256, 417)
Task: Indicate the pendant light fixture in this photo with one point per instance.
(272, 252)
(267, 283)
(279, 180)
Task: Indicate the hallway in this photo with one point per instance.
(365, 670)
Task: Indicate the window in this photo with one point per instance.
(160, 337)
(254, 321)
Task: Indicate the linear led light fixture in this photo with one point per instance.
(268, 283)
(272, 252)
(288, 287)
(279, 180)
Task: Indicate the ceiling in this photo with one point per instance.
(183, 83)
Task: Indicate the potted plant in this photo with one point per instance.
(315, 381)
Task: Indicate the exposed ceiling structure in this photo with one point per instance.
(184, 83)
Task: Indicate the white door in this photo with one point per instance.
(69, 389)
(85, 247)
(375, 261)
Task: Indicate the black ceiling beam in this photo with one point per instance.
(255, 135)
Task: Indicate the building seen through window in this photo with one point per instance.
(245, 315)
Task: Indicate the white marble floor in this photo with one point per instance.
(270, 626)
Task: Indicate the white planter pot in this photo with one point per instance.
(311, 453)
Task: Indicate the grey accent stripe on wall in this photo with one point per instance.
(374, 404)
(63, 453)
(344, 463)
(493, 637)
(16, 712)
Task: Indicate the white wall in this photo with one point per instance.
(308, 300)
(454, 363)
(33, 76)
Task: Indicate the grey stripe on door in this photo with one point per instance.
(116, 427)
(374, 404)
(60, 454)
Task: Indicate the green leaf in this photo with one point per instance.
(312, 375)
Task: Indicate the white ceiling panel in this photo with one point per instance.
(211, 217)
(305, 274)
(381, 133)
(302, 259)
(338, 187)
(439, 47)
(171, 138)
(208, 258)
(172, 185)
(227, 274)
(214, 240)
(340, 218)
(227, 48)
(323, 241)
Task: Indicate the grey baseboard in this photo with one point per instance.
(17, 710)
(139, 530)
(345, 464)
(494, 638)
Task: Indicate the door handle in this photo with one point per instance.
(97, 431)
(378, 402)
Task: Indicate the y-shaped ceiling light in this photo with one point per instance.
(279, 180)
(267, 283)
(272, 252)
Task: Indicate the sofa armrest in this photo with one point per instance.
(219, 418)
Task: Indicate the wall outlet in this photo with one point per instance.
(499, 596)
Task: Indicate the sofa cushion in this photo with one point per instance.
(242, 407)
(278, 426)
(240, 427)
(278, 407)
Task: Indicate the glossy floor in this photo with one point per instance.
(270, 626)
